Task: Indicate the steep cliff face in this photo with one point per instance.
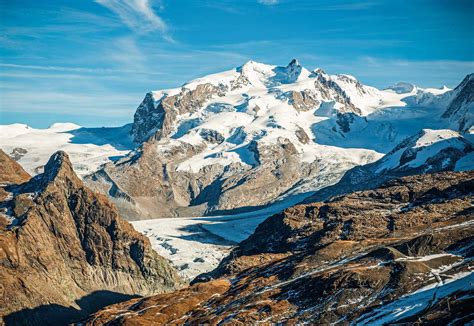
(399, 253)
(65, 251)
(156, 117)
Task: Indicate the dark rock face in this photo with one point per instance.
(358, 258)
(147, 120)
(61, 242)
(17, 153)
(156, 119)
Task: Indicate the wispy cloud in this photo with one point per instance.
(332, 6)
(76, 69)
(268, 2)
(137, 14)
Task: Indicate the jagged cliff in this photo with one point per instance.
(65, 251)
(399, 253)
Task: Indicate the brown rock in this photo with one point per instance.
(67, 252)
(11, 171)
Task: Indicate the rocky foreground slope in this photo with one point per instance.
(399, 253)
(65, 251)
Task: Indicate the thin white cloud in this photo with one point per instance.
(136, 14)
(80, 70)
(268, 2)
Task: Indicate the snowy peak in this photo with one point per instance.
(253, 90)
(293, 71)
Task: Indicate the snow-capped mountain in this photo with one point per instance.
(255, 140)
(460, 111)
(275, 132)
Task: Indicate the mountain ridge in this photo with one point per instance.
(55, 231)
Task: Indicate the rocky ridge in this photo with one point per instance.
(65, 251)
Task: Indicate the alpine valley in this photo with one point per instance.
(269, 193)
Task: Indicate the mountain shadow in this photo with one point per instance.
(118, 137)
(55, 314)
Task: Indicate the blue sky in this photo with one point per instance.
(91, 62)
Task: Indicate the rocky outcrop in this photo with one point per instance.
(156, 118)
(401, 253)
(270, 171)
(65, 251)
(331, 91)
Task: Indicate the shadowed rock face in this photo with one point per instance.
(157, 119)
(61, 242)
(359, 257)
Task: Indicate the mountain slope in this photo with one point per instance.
(461, 108)
(11, 171)
(399, 253)
(427, 151)
(64, 250)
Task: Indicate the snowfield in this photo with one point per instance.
(88, 148)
